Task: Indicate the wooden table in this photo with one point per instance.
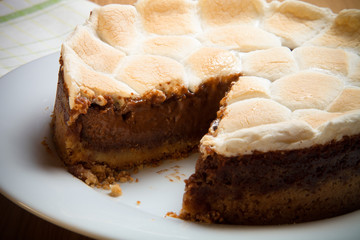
(16, 223)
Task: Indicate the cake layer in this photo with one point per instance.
(275, 187)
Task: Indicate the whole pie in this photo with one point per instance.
(268, 92)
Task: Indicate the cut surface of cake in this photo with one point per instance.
(271, 89)
(263, 162)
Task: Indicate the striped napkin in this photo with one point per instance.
(30, 29)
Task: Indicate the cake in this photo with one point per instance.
(269, 93)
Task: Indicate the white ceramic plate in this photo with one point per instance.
(36, 180)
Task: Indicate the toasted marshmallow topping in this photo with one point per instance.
(330, 59)
(244, 38)
(276, 136)
(315, 117)
(116, 24)
(98, 55)
(208, 63)
(217, 13)
(251, 113)
(354, 70)
(296, 22)
(271, 64)
(177, 47)
(83, 81)
(168, 16)
(284, 100)
(306, 90)
(248, 87)
(344, 32)
(348, 100)
(148, 72)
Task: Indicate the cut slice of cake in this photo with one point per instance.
(280, 152)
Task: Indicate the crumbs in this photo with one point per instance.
(124, 177)
(173, 173)
(162, 171)
(172, 214)
(115, 190)
(44, 142)
(101, 176)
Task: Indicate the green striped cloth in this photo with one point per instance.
(30, 29)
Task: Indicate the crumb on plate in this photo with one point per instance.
(115, 190)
